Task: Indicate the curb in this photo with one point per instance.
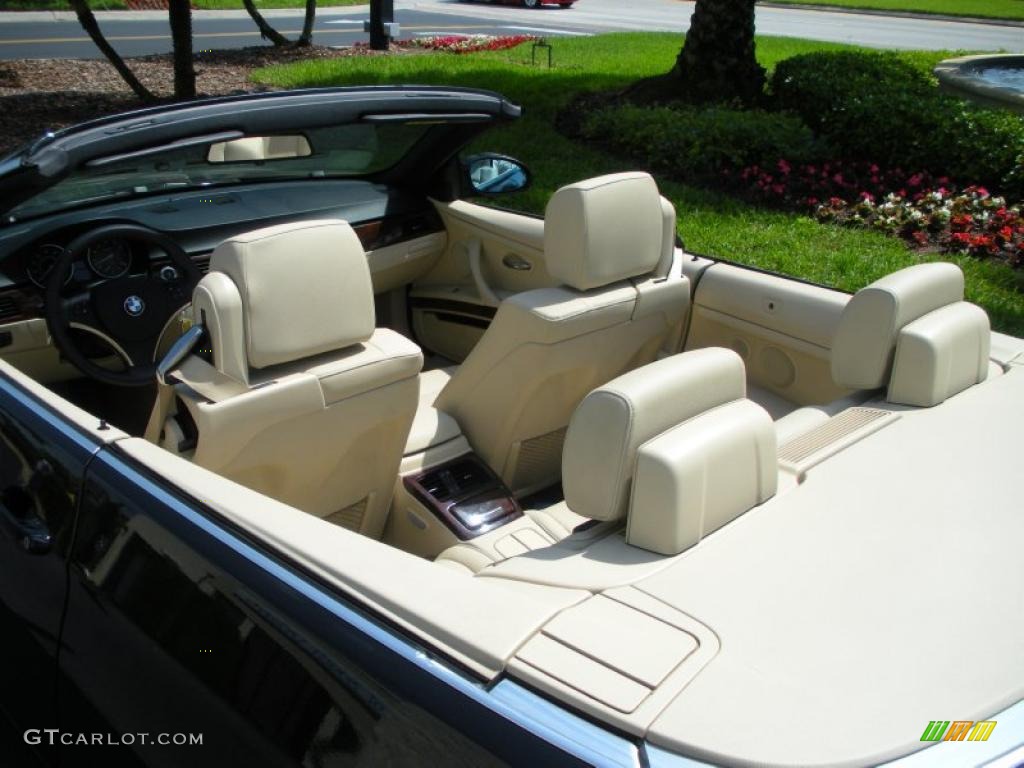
(892, 14)
(102, 16)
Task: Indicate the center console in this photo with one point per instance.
(465, 495)
(445, 493)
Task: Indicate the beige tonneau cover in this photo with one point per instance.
(885, 591)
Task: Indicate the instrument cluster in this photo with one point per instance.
(108, 259)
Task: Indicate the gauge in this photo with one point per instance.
(41, 261)
(109, 258)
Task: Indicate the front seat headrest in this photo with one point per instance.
(284, 293)
(605, 229)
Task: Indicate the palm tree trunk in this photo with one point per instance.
(717, 61)
(306, 38)
(266, 31)
(179, 14)
(92, 28)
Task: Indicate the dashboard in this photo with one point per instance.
(198, 221)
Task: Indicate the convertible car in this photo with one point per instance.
(311, 456)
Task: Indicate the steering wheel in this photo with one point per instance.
(132, 309)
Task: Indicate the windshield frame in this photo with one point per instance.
(458, 115)
(184, 166)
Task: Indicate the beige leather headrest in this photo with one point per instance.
(613, 421)
(939, 355)
(603, 230)
(700, 475)
(865, 341)
(285, 293)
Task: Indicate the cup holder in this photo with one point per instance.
(465, 495)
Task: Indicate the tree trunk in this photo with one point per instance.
(717, 61)
(179, 14)
(267, 32)
(306, 38)
(92, 28)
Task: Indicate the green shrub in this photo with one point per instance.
(694, 144)
(888, 109)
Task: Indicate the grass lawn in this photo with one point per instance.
(715, 224)
(982, 9)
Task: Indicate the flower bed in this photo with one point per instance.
(966, 221)
(468, 43)
(927, 212)
(460, 43)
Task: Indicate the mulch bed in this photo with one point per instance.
(45, 94)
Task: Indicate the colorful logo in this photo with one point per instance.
(958, 730)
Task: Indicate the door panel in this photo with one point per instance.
(41, 466)
(781, 328)
(170, 629)
(490, 254)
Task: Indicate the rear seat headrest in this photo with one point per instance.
(700, 475)
(940, 354)
(912, 332)
(613, 421)
(865, 341)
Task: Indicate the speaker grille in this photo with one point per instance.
(833, 434)
(537, 458)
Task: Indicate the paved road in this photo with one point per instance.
(44, 35)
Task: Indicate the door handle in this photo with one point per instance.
(31, 532)
(517, 263)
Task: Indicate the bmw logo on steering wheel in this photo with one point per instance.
(134, 306)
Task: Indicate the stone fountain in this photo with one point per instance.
(995, 80)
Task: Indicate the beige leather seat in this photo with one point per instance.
(910, 334)
(304, 400)
(673, 449)
(610, 242)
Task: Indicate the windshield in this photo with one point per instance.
(351, 150)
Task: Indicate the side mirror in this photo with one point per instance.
(491, 174)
